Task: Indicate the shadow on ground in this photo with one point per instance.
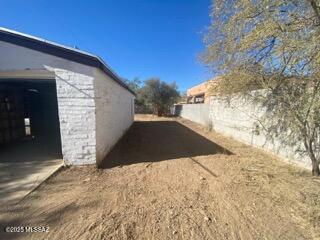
(152, 141)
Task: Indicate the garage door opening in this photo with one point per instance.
(29, 120)
(29, 115)
(30, 144)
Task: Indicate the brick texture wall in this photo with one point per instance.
(94, 111)
(77, 109)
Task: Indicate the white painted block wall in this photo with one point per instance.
(94, 111)
(75, 94)
(77, 112)
(114, 112)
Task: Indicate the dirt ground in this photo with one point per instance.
(172, 179)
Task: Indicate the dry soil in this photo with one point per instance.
(172, 179)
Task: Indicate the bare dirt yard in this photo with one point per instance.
(172, 179)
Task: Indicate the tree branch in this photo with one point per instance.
(315, 8)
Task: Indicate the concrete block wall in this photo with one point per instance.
(237, 118)
(198, 113)
(94, 110)
(75, 93)
(114, 115)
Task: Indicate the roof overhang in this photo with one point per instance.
(59, 50)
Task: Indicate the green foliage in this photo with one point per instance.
(134, 84)
(159, 95)
(272, 45)
(154, 96)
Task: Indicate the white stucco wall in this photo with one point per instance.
(115, 112)
(75, 92)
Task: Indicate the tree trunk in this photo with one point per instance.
(314, 161)
(315, 168)
(155, 111)
(315, 164)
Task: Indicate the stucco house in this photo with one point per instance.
(202, 92)
(61, 96)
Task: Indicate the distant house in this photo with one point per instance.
(201, 93)
(60, 96)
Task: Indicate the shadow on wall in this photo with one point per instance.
(152, 141)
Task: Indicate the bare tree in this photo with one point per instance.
(272, 45)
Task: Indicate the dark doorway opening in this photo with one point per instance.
(29, 119)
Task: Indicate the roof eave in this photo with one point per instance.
(61, 51)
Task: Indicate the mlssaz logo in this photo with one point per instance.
(30, 229)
